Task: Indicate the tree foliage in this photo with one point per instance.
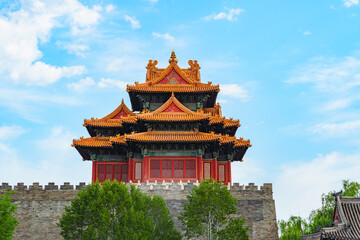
(234, 230)
(319, 218)
(113, 211)
(8, 222)
(207, 213)
(292, 229)
(323, 216)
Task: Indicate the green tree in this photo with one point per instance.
(292, 229)
(234, 230)
(8, 222)
(207, 213)
(319, 218)
(323, 216)
(163, 223)
(113, 211)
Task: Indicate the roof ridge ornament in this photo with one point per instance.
(152, 64)
(173, 60)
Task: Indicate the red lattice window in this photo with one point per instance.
(117, 172)
(138, 171)
(178, 169)
(101, 172)
(108, 171)
(190, 169)
(124, 173)
(207, 170)
(112, 171)
(172, 168)
(155, 169)
(221, 172)
(166, 168)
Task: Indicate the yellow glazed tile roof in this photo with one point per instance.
(103, 123)
(171, 117)
(241, 143)
(173, 88)
(123, 107)
(92, 142)
(191, 76)
(182, 113)
(119, 139)
(164, 136)
(161, 136)
(230, 123)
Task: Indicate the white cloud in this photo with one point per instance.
(337, 104)
(349, 3)
(333, 94)
(246, 172)
(25, 102)
(329, 75)
(77, 49)
(82, 84)
(229, 14)
(165, 36)
(234, 91)
(59, 162)
(109, 8)
(20, 57)
(10, 132)
(299, 185)
(307, 33)
(108, 82)
(348, 128)
(135, 24)
(126, 64)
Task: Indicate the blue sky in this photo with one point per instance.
(289, 70)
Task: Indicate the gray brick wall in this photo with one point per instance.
(40, 207)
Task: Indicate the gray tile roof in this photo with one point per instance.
(348, 225)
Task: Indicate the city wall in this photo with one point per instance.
(40, 207)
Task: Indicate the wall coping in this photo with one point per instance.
(153, 185)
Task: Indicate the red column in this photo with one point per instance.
(200, 175)
(131, 169)
(145, 168)
(215, 169)
(93, 171)
(229, 173)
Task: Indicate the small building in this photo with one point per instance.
(346, 221)
(175, 131)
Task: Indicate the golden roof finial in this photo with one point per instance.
(173, 58)
(172, 94)
(122, 101)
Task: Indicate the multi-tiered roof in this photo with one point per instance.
(173, 109)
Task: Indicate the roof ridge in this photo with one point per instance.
(173, 66)
(122, 106)
(177, 103)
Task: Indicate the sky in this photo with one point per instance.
(289, 70)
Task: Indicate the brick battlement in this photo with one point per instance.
(40, 207)
(152, 186)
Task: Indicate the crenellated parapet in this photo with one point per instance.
(36, 187)
(41, 206)
(178, 190)
(148, 186)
